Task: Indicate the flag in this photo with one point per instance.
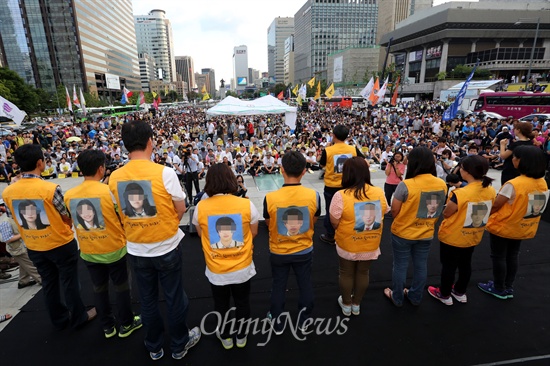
(83, 103)
(10, 110)
(69, 105)
(280, 96)
(295, 90)
(303, 91)
(140, 99)
(299, 100)
(382, 92)
(367, 89)
(203, 90)
(155, 104)
(318, 92)
(154, 95)
(158, 100)
(124, 98)
(128, 93)
(311, 83)
(394, 97)
(373, 96)
(450, 112)
(205, 96)
(330, 91)
(76, 102)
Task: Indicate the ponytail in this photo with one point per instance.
(486, 181)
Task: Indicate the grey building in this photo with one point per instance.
(147, 71)
(279, 30)
(322, 27)
(64, 42)
(211, 87)
(186, 68)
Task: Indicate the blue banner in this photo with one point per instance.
(451, 112)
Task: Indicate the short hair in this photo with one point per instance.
(220, 179)
(293, 163)
(136, 135)
(27, 156)
(420, 161)
(225, 221)
(89, 161)
(356, 177)
(341, 132)
(293, 211)
(525, 128)
(473, 147)
(532, 162)
(431, 196)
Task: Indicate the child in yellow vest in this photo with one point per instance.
(466, 214)
(515, 216)
(356, 212)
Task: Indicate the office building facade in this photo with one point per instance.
(147, 71)
(185, 67)
(288, 61)
(240, 68)
(211, 87)
(279, 30)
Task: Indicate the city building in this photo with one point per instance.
(181, 87)
(154, 36)
(211, 87)
(240, 68)
(428, 45)
(322, 27)
(253, 75)
(147, 70)
(202, 80)
(350, 69)
(288, 61)
(391, 12)
(186, 68)
(77, 42)
(279, 30)
(162, 87)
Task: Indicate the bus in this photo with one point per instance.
(342, 102)
(515, 104)
(106, 112)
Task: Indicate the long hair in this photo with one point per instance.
(80, 219)
(22, 207)
(356, 177)
(135, 188)
(420, 161)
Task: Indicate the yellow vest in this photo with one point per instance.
(512, 221)
(460, 230)
(335, 161)
(108, 235)
(235, 215)
(161, 219)
(351, 234)
(412, 222)
(33, 194)
(287, 236)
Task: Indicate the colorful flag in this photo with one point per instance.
(295, 90)
(128, 93)
(155, 104)
(303, 91)
(318, 92)
(330, 91)
(280, 96)
(203, 90)
(141, 97)
(373, 97)
(367, 89)
(299, 99)
(394, 97)
(124, 98)
(382, 92)
(10, 110)
(206, 96)
(451, 112)
(158, 100)
(69, 104)
(83, 103)
(76, 102)
(154, 95)
(311, 83)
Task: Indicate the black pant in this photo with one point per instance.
(389, 190)
(504, 253)
(329, 193)
(241, 298)
(453, 258)
(191, 179)
(118, 272)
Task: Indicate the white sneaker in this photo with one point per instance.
(346, 309)
(241, 342)
(459, 297)
(227, 343)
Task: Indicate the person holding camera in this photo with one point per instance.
(395, 170)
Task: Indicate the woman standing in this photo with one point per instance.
(524, 136)
(416, 206)
(515, 216)
(228, 268)
(395, 171)
(465, 216)
(356, 213)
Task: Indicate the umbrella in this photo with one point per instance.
(74, 139)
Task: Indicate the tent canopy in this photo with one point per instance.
(263, 105)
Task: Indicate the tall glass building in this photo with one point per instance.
(279, 30)
(70, 42)
(322, 27)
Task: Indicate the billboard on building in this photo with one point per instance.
(433, 52)
(242, 81)
(338, 68)
(112, 81)
(415, 56)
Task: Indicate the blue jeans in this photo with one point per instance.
(280, 268)
(404, 249)
(168, 269)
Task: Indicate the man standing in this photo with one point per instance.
(45, 226)
(291, 246)
(333, 158)
(153, 239)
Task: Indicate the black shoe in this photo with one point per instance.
(23, 285)
(328, 239)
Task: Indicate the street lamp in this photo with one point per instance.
(532, 49)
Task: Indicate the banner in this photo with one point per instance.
(295, 90)
(311, 83)
(373, 96)
(83, 103)
(451, 112)
(394, 96)
(10, 110)
(318, 92)
(367, 89)
(69, 104)
(330, 91)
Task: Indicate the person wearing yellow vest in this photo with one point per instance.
(515, 216)
(356, 212)
(227, 224)
(102, 244)
(290, 214)
(151, 204)
(465, 216)
(332, 159)
(44, 223)
(416, 206)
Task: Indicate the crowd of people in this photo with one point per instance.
(150, 164)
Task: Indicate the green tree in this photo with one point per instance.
(231, 93)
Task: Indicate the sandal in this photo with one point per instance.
(5, 317)
(389, 294)
(406, 294)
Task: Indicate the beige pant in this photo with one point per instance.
(26, 269)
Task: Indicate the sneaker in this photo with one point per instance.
(510, 293)
(310, 171)
(227, 343)
(355, 309)
(328, 239)
(436, 294)
(110, 332)
(126, 330)
(194, 337)
(346, 309)
(459, 297)
(23, 285)
(241, 342)
(4, 276)
(156, 355)
(277, 328)
(489, 288)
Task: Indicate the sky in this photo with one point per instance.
(208, 30)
